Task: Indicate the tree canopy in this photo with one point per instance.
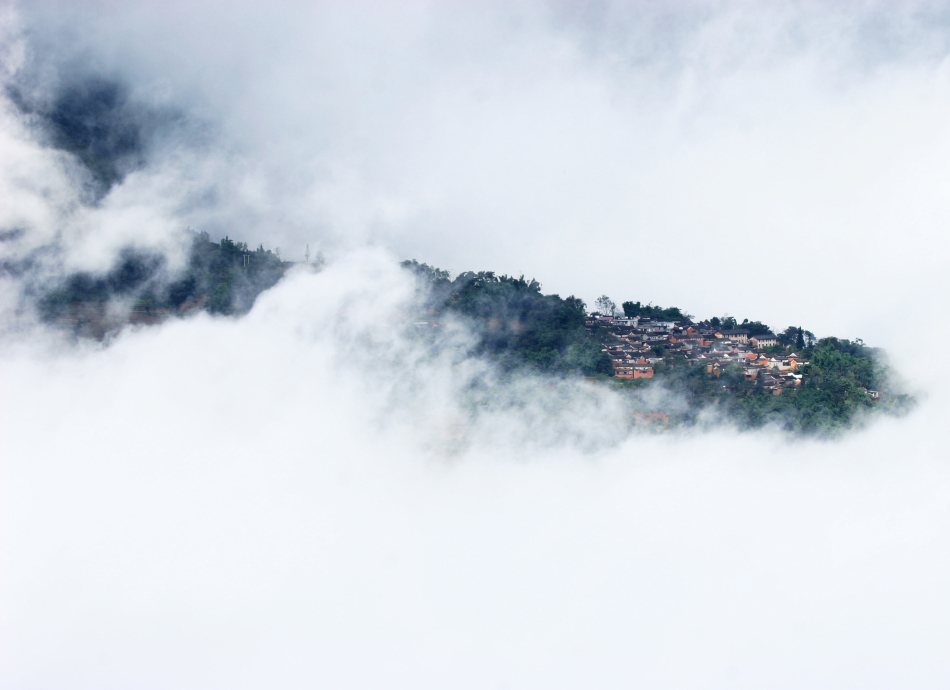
(521, 328)
(515, 322)
(631, 309)
(225, 276)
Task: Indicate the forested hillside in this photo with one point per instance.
(838, 384)
(517, 324)
(221, 277)
(696, 372)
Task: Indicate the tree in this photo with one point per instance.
(425, 271)
(787, 337)
(651, 311)
(605, 305)
(755, 327)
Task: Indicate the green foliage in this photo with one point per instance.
(831, 398)
(791, 336)
(631, 309)
(754, 327)
(516, 324)
(519, 327)
(605, 305)
(842, 365)
(433, 275)
(225, 275)
(729, 323)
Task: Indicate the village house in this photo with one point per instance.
(764, 340)
(638, 344)
(633, 355)
(655, 337)
(740, 335)
(642, 371)
(771, 383)
(685, 337)
(622, 371)
(655, 327)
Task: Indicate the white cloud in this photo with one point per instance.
(301, 497)
(766, 152)
(239, 503)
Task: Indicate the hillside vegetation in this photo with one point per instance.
(222, 277)
(522, 329)
(838, 382)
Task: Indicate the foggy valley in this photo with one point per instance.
(251, 436)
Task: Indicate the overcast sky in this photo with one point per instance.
(282, 500)
(776, 162)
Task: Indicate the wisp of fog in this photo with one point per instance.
(311, 495)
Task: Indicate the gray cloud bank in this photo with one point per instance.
(301, 497)
(587, 148)
(239, 503)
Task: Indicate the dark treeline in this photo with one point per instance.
(835, 391)
(110, 135)
(227, 273)
(516, 324)
(222, 277)
(520, 326)
(650, 311)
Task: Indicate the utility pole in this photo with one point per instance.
(306, 255)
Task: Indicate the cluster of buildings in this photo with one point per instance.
(632, 347)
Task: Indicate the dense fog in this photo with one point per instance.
(305, 497)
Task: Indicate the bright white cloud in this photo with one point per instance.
(300, 496)
(771, 151)
(277, 498)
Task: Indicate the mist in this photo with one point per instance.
(307, 496)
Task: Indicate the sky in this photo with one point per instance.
(297, 497)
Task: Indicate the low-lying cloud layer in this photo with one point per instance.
(286, 498)
(306, 496)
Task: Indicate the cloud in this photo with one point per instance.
(230, 502)
(765, 151)
(307, 495)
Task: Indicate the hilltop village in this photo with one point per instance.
(637, 345)
(748, 374)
